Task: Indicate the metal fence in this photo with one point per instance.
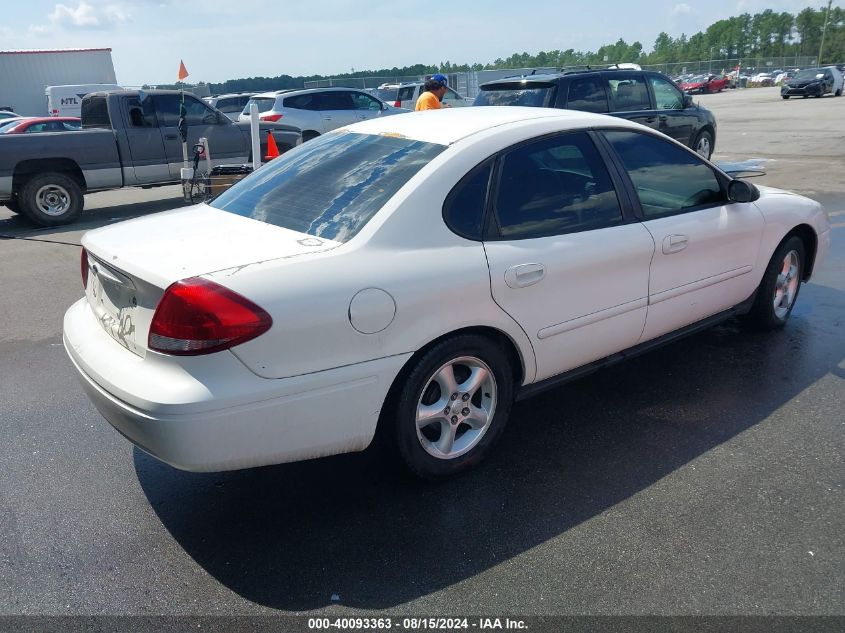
(467, 83)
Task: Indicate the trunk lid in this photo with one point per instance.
(132, 263)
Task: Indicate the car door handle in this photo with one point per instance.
(171, 137)
(650, 119)
(674, 243)
(523, 275)
(327, 118)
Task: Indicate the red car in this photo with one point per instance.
(705, 83)
(31, 125)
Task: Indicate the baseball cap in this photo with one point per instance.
(441, 78)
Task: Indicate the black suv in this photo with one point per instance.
(644, 96)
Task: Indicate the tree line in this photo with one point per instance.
(764, 34)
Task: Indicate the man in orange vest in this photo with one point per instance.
(434, 90)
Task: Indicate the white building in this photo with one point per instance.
(25, 74)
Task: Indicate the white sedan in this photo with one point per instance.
(412, 276)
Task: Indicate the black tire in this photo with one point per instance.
(785, 96)
(418, 389)
(763, 314)
(51, 199)
(697, 146)
(838, 93)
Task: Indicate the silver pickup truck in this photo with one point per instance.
(129, 138)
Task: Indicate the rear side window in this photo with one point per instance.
(95, 112)
(587, 94)
(141, 113)
(336, 100)
(463, 210)
(553, 186)
(668, 178)
(302, 102)
(329, 187)
(264, 104)
(406, 94)
(517, 93)
(629, 94)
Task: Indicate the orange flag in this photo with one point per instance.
(183, 72)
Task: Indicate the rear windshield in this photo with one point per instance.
(329, 187)
(263, 103)
(517, 93)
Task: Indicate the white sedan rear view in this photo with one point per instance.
(412, 276)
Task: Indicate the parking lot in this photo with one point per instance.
(704, 478)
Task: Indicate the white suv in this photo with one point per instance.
(231, 105)
(410, 92)
(318, 110)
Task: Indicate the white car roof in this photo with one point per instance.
(448, 125)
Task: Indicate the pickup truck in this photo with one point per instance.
(129, 138)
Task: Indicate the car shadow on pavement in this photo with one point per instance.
(353, 531)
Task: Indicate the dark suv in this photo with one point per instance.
(644, 96)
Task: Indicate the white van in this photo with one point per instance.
(67, 100)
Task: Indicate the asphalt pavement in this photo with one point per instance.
(704, 478)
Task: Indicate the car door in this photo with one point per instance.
(337, 109)
(672, 118)
(146, 146)
(226, 143)
(706, 246)
(566, 261)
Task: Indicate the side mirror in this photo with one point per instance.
(742, 191)
(687, 100)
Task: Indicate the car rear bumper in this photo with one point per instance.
(211, 413)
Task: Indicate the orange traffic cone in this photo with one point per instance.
(272, 150)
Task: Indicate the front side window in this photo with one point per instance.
(329, 187)
(197, 113)
(629, 94)
(362, 101)
(668, 178)
(517, 93)
(587, 94)
(666, 95)
(554, 186)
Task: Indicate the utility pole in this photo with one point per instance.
(824, 30)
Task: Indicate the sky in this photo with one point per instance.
(230, 39)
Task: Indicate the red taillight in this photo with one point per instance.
(83, 267)
(196, 316)
(397, 104)
(270, 117)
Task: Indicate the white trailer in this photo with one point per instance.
(24, 74)
(67, 100)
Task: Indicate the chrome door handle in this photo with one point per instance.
(674, 243)
(523, 275)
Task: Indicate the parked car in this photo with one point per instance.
(318, 110)
(32, 125)
(704, 84)
(8, 114)
(409, 92)
(646, 97)
(11, 122)
(762, 79)
(813, 82)
(230, 104)
(129, 138)
(413, 276)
